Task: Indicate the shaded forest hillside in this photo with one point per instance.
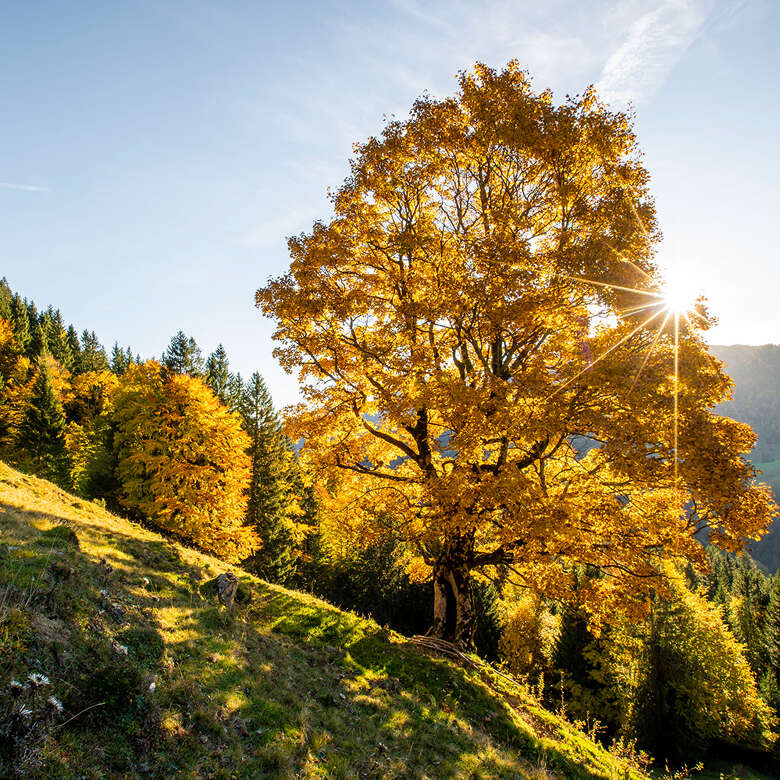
(756, 374)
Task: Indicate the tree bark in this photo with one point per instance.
(453, 604)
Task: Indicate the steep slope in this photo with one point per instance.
(157, 679)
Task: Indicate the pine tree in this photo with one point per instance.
(218, 374)
(183, 356)
(42, 431)
(269, 492)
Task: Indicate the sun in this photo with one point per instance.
(679, 295)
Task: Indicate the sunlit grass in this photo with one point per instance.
(287, 686)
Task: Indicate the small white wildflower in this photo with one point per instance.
(146, 582)
(152, 687)
(16, 687)
(117, 648)
(25, 712)
(38, 679)
(54, 703)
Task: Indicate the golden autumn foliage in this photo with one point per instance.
(682, 672)
(16, 383)
(475, 376)
(182, 460)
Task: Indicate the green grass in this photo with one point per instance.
(159, 680)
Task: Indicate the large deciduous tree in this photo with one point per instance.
(478, 370)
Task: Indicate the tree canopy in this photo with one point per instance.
(481, 369)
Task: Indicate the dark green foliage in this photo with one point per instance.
(57, 337)
(121, 359)
(21, 323)
(42, 431)
(39, 342)
(750, 596)
(373, 581)
(92, 356)
(74, 345)
(183, 356)
(270, 492)
(218, 374)
(6, 295)
(235, 392)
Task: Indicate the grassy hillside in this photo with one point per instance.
(157, 679)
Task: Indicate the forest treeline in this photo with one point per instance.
(188, 446)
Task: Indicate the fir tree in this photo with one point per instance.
(39, 342)
(5, 299)
(119, 359)
(42, 430)
(749, 600)
(771, 629)
(57, 338)
(21, 323)
(183, 356)
(74, 346)
(269, 493)
(218, 374)
(92, 356)
(236, 392)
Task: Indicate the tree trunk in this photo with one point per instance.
(453, 603)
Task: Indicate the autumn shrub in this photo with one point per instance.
(529, 636)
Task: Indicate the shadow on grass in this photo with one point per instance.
(283, 686)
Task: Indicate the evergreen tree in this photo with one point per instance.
(269, 492)
(183, 356)
(42, 430)
(236, 392)
(749, 598)
(39, 343)
(74, 346)
(771, 632)
(57, 338)
(5, 299)
(218, 374)
(92, 356)
(119, 359)
(21, 322)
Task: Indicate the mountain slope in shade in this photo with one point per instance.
(756, 401)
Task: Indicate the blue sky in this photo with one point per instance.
(155, 155)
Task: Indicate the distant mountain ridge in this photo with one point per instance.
(756, 401)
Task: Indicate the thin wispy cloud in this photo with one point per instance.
(7, 185)
(654, 44)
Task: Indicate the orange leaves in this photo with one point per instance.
(456, 369)
(182, 461)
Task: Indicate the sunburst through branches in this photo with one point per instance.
(674, 302)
